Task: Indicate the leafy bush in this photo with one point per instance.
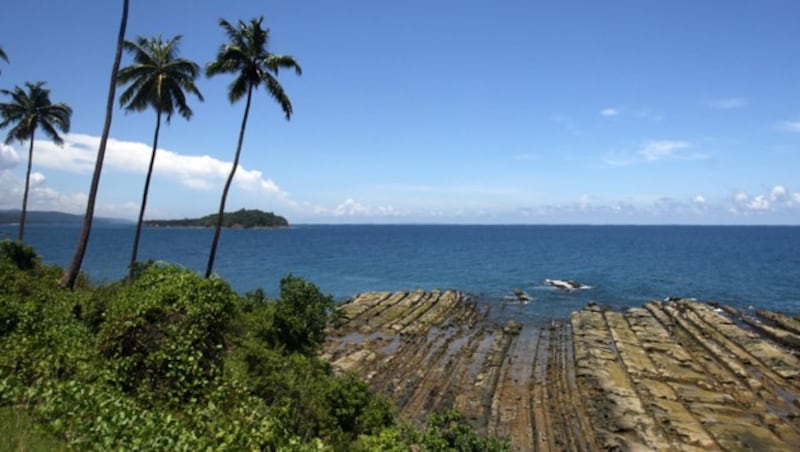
(163, 336)
(21, 255)
(171, 361)
(300, 317)
(39, 335)
(448, 430)
(310, 401)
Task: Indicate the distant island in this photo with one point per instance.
(241, 219)
(49, 217)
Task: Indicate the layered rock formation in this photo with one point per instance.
(677, 375)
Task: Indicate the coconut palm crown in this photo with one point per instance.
(246, 56)
(158, 79)
(28, 110)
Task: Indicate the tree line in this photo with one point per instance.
(160, 80)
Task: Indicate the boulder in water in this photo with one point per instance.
(565, 284)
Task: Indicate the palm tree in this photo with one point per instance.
(245, 55)
(68, 280)
(3, 55)
(28, 111)
(158, 79)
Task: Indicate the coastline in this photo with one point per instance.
(673, 374)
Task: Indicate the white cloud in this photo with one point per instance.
(700, 200)
(353, 208)
(10, 190)
(609, 112)
(8, 157)
(727, 103)
(37, 179)
(652, 151)
(40, 197)
(657, 150)
(775, 199)
(760, 202)
(350, 207)
(790, 126)
(778, 193)
(200, 172)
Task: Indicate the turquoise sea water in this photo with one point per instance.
(625, 265)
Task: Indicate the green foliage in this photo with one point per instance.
(301, 315)
(448, 430)
(246, 56)
(312, 402)
(163, 336)
(158, 78)
(21, 255)
(356, 409)
(39, 335)
(31, 109)
(240, 219)
(171, 361)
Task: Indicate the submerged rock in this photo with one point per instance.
(671, 375)
(565, 284)
(522, 297)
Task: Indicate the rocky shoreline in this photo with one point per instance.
(671, 375)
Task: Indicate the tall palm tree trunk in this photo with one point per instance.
(68, 280)
(27, 187)
(135, 251)
(218, 227)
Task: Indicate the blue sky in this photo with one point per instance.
(634, 112)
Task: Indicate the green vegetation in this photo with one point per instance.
(239, 219)
(158, 79)
(173, 361)
(28, 110)
(245, 55)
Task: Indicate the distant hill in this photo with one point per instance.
(46, 217)
(240, 219)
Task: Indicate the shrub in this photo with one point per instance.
(163, 336)
(21, 255)
(311, 401)
(300, 317)
(448, 430)
(356, 409)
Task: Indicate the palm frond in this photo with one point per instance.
(31, 108)
(275, 62)
(277, 92)
(155, 76)
(52, 133)
(237, 89)
(246, 55)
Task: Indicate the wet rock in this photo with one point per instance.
(512, 327)
(675, 374)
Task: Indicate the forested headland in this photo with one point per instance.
(243, 219)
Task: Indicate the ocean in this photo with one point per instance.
(743, 266)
